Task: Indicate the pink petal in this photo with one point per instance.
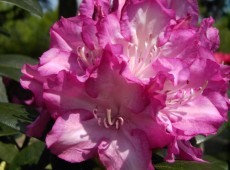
(126, 151)
(112, 90)
(37, 128)
(184, 150)
(198, 116)
(55, 60)
(109, 34)
(156, 132)
(183, 8)
(89, 34)
(33, 81)
(209, 35)
(139, 23)
(75, 136)
(172, 66)
(94, 8)
(187, 42)
(219, 101)
(65, 92)
(66, 33)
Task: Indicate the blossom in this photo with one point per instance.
(106, 120)
(124, 78)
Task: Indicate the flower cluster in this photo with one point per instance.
(125, 77)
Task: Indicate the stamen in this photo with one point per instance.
(191, 91)
(117, 124)
(183, 96)
(95, 113)
(108, 121)
(121, 120)
(99, 122)
(203, 87)
(105, 123)
(108, 116)
(82, 55)
(186, 96)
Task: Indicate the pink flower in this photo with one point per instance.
(122, 79)
(196, 102)
(105, 116)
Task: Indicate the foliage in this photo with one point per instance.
(28, 36)
(29, 5)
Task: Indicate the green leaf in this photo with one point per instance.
(7, 152)
(28, 158)
(29, 5)
(213, 164)
(3, 32)
(17, 116)
(3, 96)
(6, 131)
(10, 65)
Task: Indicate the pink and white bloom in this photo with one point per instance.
(122, 79)
(105, 116)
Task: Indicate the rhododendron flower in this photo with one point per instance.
(126, 77)
(105, 116)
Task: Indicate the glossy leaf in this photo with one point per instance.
(10, 65)
(3, 32)
(29, 5)
(6, 131)
(7, 152)
(3, 96)
(28, 158)
(17, 116)
(213, 164)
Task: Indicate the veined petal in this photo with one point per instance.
(171, 66)
(64, 92)
(37, 128)
(94, 8)
(181, 40)
(66, 33)
(183, 8)
(75, 136)
(56, 60)
(198, 116)
(126, 151)
(109, 82)
(209, 35)
(184, 150)
(33, 81)
(221, 102)
(138, 23)
(156, 132)
(110, 34)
